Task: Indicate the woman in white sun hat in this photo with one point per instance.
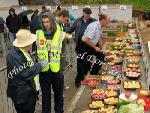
(22, 73)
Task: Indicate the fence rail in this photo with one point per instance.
(6, 105)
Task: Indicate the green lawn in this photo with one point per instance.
(139, 4)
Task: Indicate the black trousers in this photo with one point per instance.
(84, 64)
(28, 107)
(57, 81)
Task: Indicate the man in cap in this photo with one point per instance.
(22, 73)
(49, 48)
(80, 24)
(79, 27)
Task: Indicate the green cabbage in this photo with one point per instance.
(131, 108)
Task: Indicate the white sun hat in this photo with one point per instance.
(24, 38)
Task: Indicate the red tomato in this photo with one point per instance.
(146, 108)
(141, 97)
(148, 100)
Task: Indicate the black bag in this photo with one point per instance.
(146, 16)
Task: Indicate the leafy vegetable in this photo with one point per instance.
(131, 108)
(111, 34)
(124, 102)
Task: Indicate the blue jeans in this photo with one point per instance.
(11, 37)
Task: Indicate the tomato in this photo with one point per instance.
(146, 108)
(141, 97)
(148, 100)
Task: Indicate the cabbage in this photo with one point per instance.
(131, 108)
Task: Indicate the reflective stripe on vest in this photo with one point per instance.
(56, 47)
(60, 27)
(42, 53)
(36, 78)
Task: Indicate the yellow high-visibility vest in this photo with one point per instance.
(36, 78)
(55, 51)
(60, 27)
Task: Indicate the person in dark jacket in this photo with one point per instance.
(25, 23)
(79, 26)
(44, 9)
(35, 25)
(36, 12)
(35, 22)
(21, 73)
(13, 23)
(2, 42)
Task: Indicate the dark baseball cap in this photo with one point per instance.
(87, 10)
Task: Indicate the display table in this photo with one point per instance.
(82, 98)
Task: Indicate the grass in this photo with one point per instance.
(138, 4)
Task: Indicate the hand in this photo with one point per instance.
(97, 49)
(43, 63)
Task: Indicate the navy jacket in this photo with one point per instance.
(21, 87)
(79, 26)
(35, 23)
(13, 24)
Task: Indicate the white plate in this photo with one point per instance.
(132, 97)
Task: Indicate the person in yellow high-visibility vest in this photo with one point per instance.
(61, 20)
(21, 73)
(49, 50)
